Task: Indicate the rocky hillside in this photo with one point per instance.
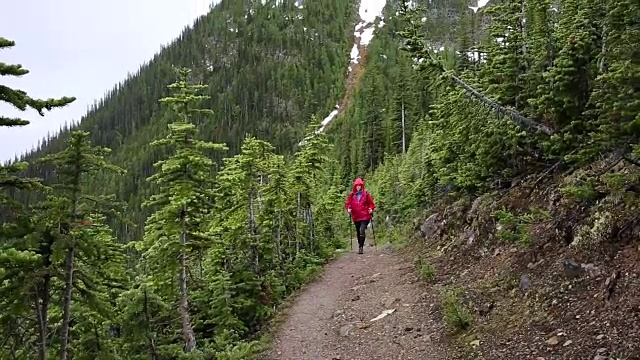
(542, 271)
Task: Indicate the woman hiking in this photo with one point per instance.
(360, 205)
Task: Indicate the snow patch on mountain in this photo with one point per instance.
(370, 11)
(481, 4)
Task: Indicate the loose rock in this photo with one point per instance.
(553, 341)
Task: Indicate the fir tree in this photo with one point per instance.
(21, 101)
(309, 160)
(278, 219)
(616, 96)
(174, 230)
(563, 96)
(82, 239)
(372, 117)
(18, 98)
(508, 61)
(241, 259)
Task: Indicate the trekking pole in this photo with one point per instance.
(350, 233)
(373, 230)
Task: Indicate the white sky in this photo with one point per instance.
(80, 48)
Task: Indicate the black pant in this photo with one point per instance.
(361, 227)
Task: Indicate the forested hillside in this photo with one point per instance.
(268, 68)
(500, 144)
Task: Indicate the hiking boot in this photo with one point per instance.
(360, 250)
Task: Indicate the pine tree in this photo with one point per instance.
(17, 252)
(563, 96)
(21, 101)
(536, 25)
(616, 95)
(372, 118)
(402, 110)
(278, 217)
(184, 183)
(321, 177)
(82, 237)
(29, 256)
(18, 98)
(243, 256)
(253, 227)
(100, 276)
(309, 161)
(19, 266)
(507, 59)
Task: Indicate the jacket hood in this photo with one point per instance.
(358, 182)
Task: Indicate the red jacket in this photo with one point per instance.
(359, 209)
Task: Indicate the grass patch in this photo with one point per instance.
(456, 315)
(427, 271)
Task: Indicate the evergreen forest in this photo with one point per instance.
(183, 209)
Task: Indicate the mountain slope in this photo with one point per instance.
(269, 68)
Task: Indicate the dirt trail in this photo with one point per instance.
(331, 319)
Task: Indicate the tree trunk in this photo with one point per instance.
(66, 307)
(42, 310)
(602, 63)
(97, 336)
(253, 230)
(313, 245)
(404, 141)
(70, 268)
(279, 244)
(418, 46)
(187, 331)
(188, 335)
(152, 348)
(42, 335)
(289, 242)
(503, 111)
(278, 236)
(297, 223)
(523, 29)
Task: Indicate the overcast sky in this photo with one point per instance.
(80, 48)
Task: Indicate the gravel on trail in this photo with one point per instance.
(333, 318)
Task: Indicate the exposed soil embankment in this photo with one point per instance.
(354, 77)
(549, 271)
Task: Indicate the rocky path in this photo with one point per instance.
(333, 317)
